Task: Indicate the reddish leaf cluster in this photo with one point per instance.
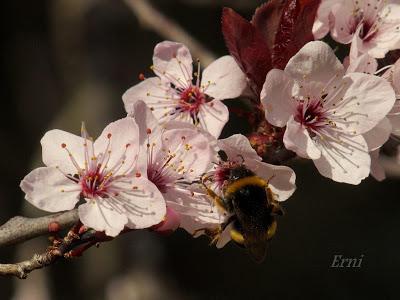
(278, 29)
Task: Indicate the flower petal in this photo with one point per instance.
(121, 138)
(213, 116)
(377, 171)
(190, 149)
(363, 64)
(195, 208)
(297, 139)
(378, 135)
(99, 215)
(365, 103)
(321, 25)
(281, 179)
(343, 29)
(276, 97)
(48, 189)
(149, 133)
(170, 223)
(153, 92)
(53, 153)
(348, 161)
(172, 62)
(224, 79)
(236, 147)
(225, 236)
(315, 62)
(140, 200)
(387, 37)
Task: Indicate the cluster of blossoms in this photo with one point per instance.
(149, 168)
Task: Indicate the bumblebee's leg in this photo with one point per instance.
(217, 199)
(213, 234)
(269, 179)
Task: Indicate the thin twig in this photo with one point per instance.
(20, 229)
(151, 18)
(59, 249)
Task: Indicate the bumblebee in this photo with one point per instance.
(250, 203)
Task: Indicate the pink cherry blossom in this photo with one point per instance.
(174, 156)
(327, 111)
(324, 18)
(281, 179)
(102, 173)
(173, 95)
(393, 76)
(380, 134)
(372, 26)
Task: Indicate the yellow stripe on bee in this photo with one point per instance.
(237, 236)
(271, 230)
(242, 182)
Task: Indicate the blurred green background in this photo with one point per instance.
(64, 61)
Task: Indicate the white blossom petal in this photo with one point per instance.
(322, 20)
(48, 189)
(195, 208)
(213, 116)
(153, 92)
(140, 200)
(363, 64)
(281, 179)
(190, 149)
(297, 139)
(377, 170)
(276, 97)
(378, 135)
(315, 62)
(173, 63)
(223, 79)
(366, 102)
(99, 215)
(225, 236)
(57, 145)
(119, 143)
(347, 161)
(236, 147)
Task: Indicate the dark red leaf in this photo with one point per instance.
(295, 30)
(267, 18)
(247, 46)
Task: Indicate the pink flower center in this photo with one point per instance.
(159, 178)
(96, 176)
(93, 185)
(223, 172)
(166, 167)
(191, 100)
(311, 114)
(182, 96)
(368, 18)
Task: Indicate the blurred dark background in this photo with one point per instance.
(64, 61)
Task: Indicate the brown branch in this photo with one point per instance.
(20, 229)
(151, 18)
(74, 244)
(60, 248)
